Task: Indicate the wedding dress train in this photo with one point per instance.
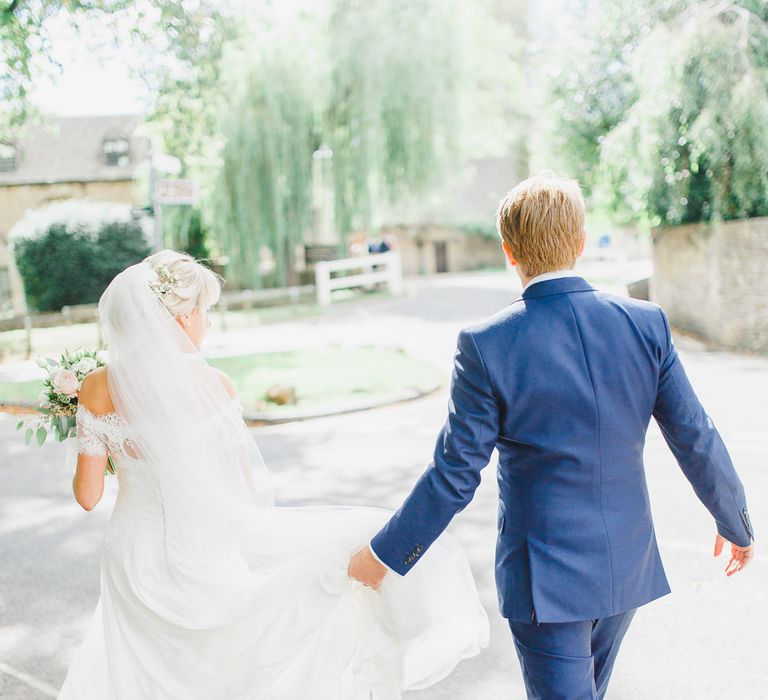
(211, 592)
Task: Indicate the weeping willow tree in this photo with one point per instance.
(393, 114)
(376, 83)
(673, 125)
(263, 192)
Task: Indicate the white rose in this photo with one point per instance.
(87, 364)
(65, 382)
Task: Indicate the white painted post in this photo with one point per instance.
(28, 335)
(323, 283)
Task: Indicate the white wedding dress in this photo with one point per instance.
(211, 592)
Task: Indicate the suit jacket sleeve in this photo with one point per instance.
(698, 447)
(464, 447)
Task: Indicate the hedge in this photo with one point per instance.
(64, 266)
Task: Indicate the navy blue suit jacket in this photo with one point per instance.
(564, 382)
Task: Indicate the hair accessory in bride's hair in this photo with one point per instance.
(164, 283)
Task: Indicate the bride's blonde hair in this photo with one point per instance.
(183, 283)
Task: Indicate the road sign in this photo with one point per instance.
(176, 192)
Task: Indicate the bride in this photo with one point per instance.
(208, 590)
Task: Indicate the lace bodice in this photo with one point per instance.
(101, 434)
(108, 433)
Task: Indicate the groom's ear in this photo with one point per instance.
(508, 253)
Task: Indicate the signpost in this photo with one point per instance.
(171, 192)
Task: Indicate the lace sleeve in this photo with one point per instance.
(90, 440)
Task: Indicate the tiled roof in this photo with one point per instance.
(71, 149)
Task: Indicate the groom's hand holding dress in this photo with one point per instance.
(366, 569)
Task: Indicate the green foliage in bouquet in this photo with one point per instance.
(58, 400)
(67, 265)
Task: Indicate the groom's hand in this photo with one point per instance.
(364, 567)
(740, 556)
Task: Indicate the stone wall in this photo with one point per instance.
(712, 279)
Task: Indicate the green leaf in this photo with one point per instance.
(28, 436)
(20, 424)
(42, 433)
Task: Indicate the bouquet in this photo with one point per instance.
(57, 404)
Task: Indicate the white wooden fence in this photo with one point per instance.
(370, 270)
(259, 298)
(379, 268)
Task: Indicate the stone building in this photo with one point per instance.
(65, 158)
(429, 249)
(466, 206)
(711, 280)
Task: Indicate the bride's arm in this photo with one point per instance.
(88, 482)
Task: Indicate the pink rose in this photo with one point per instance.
(65, 382)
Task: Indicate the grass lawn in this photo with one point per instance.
(13, 392)
(326, 379)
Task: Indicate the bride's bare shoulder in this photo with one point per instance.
(94, 392)
(223, 377)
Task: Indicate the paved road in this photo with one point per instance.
(707, 640)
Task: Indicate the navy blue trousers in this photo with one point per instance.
(569, 660)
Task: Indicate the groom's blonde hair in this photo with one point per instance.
(542, 222)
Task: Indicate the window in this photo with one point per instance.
(116, 151)
(7, 157)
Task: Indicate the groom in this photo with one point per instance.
(563, 382)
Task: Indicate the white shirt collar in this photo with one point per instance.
(553, 275)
